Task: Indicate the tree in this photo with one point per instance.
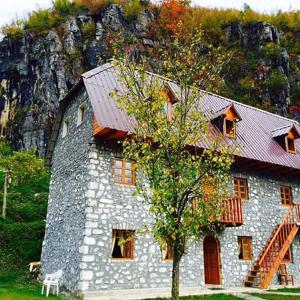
(182, 167)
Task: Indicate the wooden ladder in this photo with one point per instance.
(271, 257)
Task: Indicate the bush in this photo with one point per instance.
(277, 82)
(95, 6)
(41, 21)
(66, 8)
(20, 243)
(132, 9)
(14, 30)
(271, 51)
(88, 30)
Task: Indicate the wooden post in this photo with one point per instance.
(6, 183)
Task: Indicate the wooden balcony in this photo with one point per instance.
(233, 215)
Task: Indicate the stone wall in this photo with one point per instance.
(111, 206)
(68, 187)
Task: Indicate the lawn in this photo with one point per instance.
(208, 297)
(276, 297)
(287, 290)
(18, 286)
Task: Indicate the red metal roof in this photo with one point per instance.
(254, 132)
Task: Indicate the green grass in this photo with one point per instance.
(287, 290)
(16, 285)
(276, 297)
(208, 297)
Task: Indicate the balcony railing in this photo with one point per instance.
(233, 215)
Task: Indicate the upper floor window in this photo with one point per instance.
(230, 128)
(286, 137)
(122, 244)
(286, 195)
(124, 171)
(241, 188)
(65, 129)
(80, 114)
(226, 119)
(245, 247)
(167, 251)
(290, 145)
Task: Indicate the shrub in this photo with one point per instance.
(277, 82)
(95, 6)
(42, 21)
(271, 50)
(66, 8)
(132, 9)
(14, 30)
(88, 30)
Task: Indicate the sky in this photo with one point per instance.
(10, 9)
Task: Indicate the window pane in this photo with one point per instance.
(118, 171)
(128, 180)
(118, 179)
(128, 173)
(128, 165)
(118, 163)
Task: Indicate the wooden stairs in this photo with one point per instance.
(271, 256)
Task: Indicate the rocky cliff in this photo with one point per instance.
(36, 72)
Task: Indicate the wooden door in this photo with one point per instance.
(211, 260)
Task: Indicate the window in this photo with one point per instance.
(168, 109)
(241, 188)
(122, 244)
(245, 247)
(124, 172)
(229, 128)
(286, 195)
(80, 116)
(290, 145)
(65, 129)
(288, 257)
(167, 251)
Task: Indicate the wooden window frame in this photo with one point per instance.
(286, 193)
(289, 149)
(231, 135)
(244, 242)
(129, 243)
(238, 185)
(123, 175)
(65, 128)
(81, 114)
(289, 258)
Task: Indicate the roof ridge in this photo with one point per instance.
(97, 70)
(282, 127)
(254, 108)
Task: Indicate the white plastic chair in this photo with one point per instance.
(52, 280)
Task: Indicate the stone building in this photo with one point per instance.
(92, 207)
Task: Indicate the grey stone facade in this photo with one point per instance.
(85, 206)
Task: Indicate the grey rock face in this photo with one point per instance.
(36, 73)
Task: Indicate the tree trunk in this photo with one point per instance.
(175, 274)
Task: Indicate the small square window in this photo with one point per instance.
(229, 128)
(288, 257)
(245, 247)
(286, 195)
(124, 171)
(241, 188)
(167, 251)
(122, 244)
(65, 129)
(81, 115)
